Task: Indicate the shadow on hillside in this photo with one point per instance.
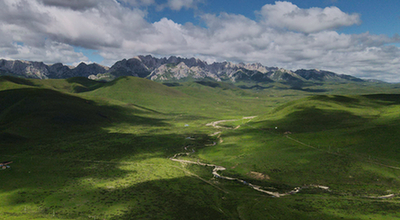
(385, 99)
(303, 86)
(311, 90)
(85, 84)
(118, 79)
(144, 108)
(172, 84)
(17, 80)
(311, 119)
(57, 173)
(208, 83)
(62, 142)
(255, 87)
(51, 173)
(173, 198)
(43, 111)
(345, 100)
(179, 198)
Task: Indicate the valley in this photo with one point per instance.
(133, 148)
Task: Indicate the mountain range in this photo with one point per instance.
(171, 69)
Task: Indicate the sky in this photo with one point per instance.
(354, 37)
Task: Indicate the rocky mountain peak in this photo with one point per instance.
(172, 68)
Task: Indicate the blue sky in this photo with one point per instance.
(353, 37)
(378, 17)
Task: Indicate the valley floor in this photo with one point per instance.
(136, 149)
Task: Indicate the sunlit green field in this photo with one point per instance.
(92, 150)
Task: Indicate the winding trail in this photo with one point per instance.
(218, 168)
(255, 187)
(215, 123)
(221, 168)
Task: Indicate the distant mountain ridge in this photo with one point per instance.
(171, 69)
(40, 70)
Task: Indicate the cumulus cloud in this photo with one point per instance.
(137, 3)
(177, 5)
(43, 30)
(288, 15)
(35, 24)
(231, 27)
(51, 52)
(72, 4)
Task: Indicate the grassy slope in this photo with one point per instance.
(110, 160)
(344, 142)
(112, 166)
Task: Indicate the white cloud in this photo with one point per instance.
(35, 24)
(33, 30)
(231, 27)
(72, 4)
(136, 3)
(177, 5)
(52, 52)
(287, 15)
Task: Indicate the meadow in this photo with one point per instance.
(93, 150)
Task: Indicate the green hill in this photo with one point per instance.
(92, 150)
(349, 143)
(43, 113)
(139, 91)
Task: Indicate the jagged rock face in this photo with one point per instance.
(315, 74)
(285, 75)
(39, 70)
(319, 75)
(84, 70)
(171, 69)
(131, 67)
(258, 67)
(197, 69)
(150, 62)
(181, 71)
(25, 68)
(58, 70)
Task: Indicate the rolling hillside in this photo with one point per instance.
(93, 150)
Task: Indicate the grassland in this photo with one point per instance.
(92, 150)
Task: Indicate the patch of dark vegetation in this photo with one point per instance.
(84, 84)
(312, 119)
(312, 90)
(172, 84)
(336, 98)
(42, 110)
(304, 86)
(209, 83)
(385, 99)
(255, 87)
(144, 108)
(17, 80)
(6, 137)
